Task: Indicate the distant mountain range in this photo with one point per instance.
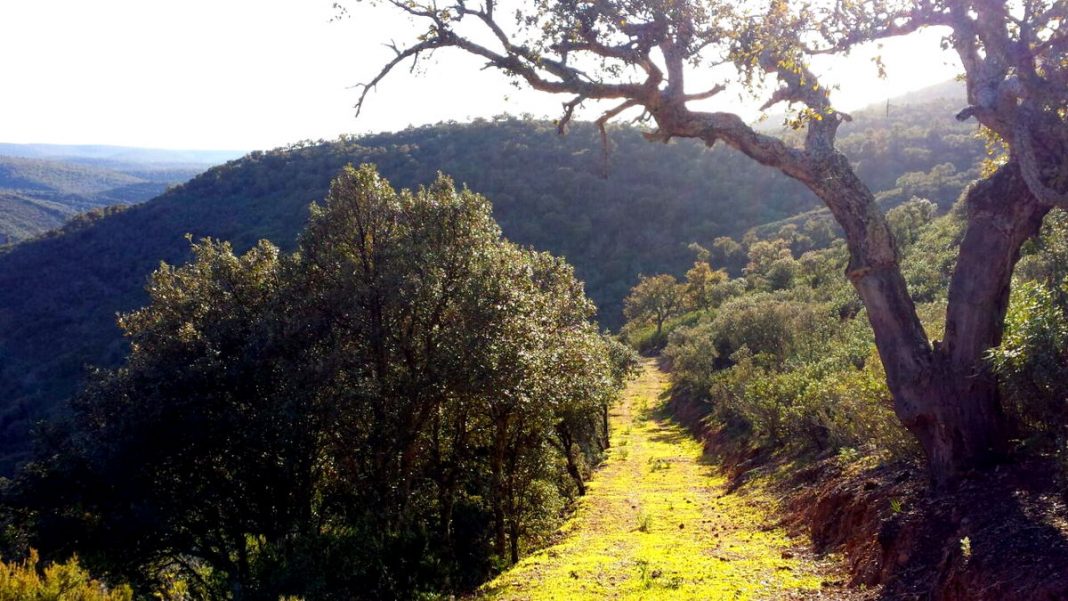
(42, 186)
(103, 155)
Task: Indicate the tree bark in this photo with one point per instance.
(497, 482)
(965, 425)
(606, 439)
(945, 395)
(955, 415)
(563, 434)
(514, 541)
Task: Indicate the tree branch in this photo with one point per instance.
(401, 56)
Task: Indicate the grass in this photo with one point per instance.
(658, 523)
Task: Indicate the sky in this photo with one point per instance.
(257, 74)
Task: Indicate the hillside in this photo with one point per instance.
(59, 294)
(37, 194)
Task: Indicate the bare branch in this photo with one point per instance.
(602, 121)
(401, 56)
(569, 110)
(704, 95)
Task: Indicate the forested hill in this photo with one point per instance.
(38, 194)
(59, 294)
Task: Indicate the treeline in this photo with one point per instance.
(783, 355)
(402, 406)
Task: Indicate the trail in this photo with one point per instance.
(658, 523)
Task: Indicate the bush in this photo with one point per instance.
(644, 338)
(789, 359)
(1032, 360)
(790, 374)
(27, 581)
(693, 357)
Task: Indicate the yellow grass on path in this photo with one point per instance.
(657, 523)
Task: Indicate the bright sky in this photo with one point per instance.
(254, 74)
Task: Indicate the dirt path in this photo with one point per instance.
(657, 523)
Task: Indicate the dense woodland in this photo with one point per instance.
(59, 294)
(643, 57)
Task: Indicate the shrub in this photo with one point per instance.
(28, 581)
(1032, 360)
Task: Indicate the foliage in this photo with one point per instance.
(812, 384)
(639, 55)
(1032, 360)
(59, 295)
(930, 254)
(28, 581)
(397, 407)
(654, 299)
(795, 367)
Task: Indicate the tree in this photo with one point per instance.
(313, 423)
(771, 264)
(655, 298)
(704, 285)
(639, 54)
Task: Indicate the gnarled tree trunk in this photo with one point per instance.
(967, 425)
(944, 394)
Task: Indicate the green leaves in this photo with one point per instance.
(401, 387)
